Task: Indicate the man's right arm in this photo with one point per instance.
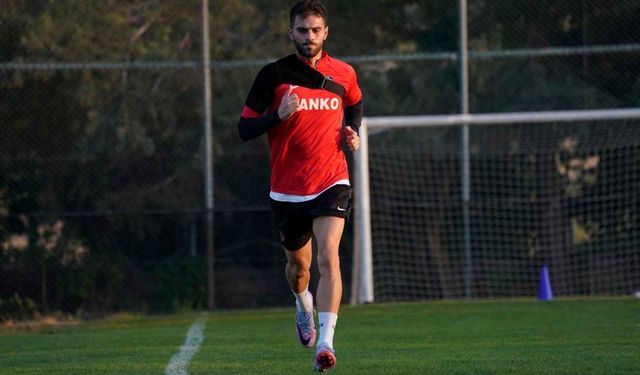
(254, 121)
(253, 125)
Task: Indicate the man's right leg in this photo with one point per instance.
(298, 266)
(298, 275)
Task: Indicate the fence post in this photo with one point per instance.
(208, 156)
(464, 148)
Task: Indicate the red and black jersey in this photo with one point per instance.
(306, 149)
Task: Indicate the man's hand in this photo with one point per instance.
(289, 104)
(353, 140)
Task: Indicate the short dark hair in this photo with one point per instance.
(306, 7)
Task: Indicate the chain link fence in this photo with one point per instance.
(101, 128)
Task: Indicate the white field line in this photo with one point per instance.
(180, 361)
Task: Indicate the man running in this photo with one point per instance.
(300, 101)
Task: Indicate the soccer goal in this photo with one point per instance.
(472, 206)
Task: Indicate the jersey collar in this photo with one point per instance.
(323, 56)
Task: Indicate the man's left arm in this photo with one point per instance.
(353, 115)
(353, 112)
(353, 120)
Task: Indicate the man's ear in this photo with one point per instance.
(326, 32)
(290, 32)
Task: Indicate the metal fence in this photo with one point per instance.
(101, 113)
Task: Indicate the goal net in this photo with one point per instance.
(542, 192)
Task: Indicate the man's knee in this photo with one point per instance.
(328, 262)
(298, 265)
(298, 268)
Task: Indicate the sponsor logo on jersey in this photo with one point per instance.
(319, 104)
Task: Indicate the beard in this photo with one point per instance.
(308, 50)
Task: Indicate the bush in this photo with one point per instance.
(17, 308)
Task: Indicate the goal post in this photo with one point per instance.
(431, 255)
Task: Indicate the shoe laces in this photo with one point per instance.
(304, 320)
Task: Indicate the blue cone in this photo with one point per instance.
(544, 289)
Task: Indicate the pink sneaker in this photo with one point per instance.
(306, 328)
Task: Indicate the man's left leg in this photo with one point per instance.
(328, 232)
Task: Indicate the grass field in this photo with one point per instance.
(587, 336)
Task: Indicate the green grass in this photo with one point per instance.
(587, 336)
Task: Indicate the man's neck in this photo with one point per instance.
(311, 61)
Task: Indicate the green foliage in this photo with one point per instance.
(179, 284)
(17, 308)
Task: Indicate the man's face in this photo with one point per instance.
(308, 34)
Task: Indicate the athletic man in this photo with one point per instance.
(300, 101)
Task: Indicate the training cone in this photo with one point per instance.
(544, 289)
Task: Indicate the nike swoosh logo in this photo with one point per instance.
(304, 341)
(341, 209)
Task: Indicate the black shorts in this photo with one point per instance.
(295, 220)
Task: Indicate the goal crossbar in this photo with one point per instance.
(500, 118)
(362, 289)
